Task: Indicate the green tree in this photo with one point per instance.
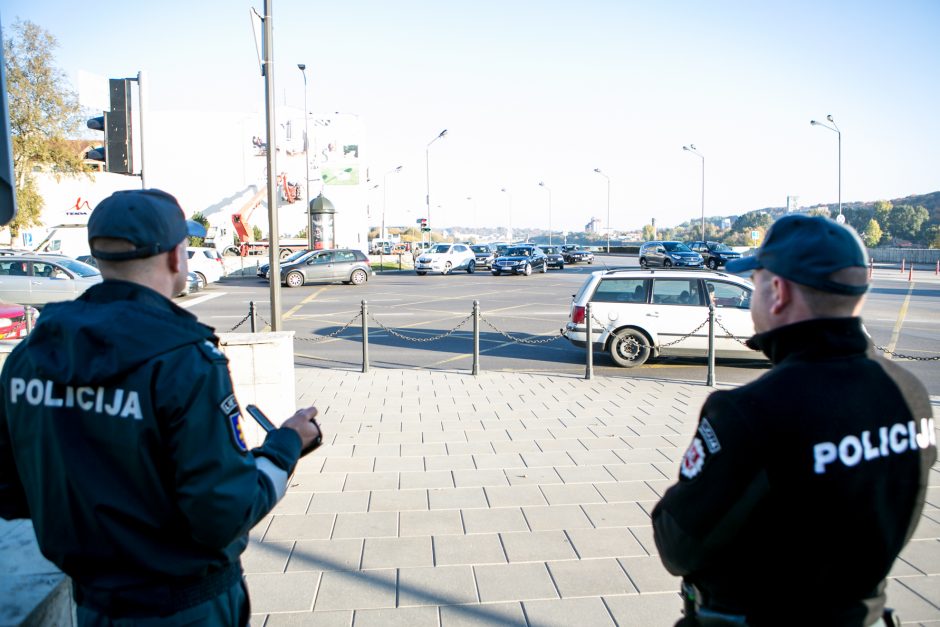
(933, 236)
(882, 215)
(256, 233)
(872, 235)
(649, 233)
(201, 219)
(907, 222)
(43, 114)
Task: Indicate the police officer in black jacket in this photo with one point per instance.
(799, 489)
(120, 436)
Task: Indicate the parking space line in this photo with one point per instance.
(902, 313)
(200, 299)
(294, 309)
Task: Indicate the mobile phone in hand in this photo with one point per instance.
(260, 418)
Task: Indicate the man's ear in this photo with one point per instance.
(174, 262)
(782, 294)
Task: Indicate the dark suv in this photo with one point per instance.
(715, 254)
(668, 254)
(485, 256)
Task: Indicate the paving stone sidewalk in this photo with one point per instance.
(444, 499)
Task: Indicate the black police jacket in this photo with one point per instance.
(799, 489)
(120, 438)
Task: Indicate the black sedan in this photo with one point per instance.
(572, 254)
(521, 260)
(555, 258)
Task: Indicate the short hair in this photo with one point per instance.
(830, 305)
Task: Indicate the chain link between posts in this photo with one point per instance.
(546, 340)
(411, 338)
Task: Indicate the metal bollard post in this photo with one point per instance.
(27, 310)
(253, 316)
(399, 262)
(365, 337)
(589, 367)
(476, 338)
(382, 261)
(871, 267)
(910, 273)
(903, 261)
(711, 345)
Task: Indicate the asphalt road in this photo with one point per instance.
(425, 322)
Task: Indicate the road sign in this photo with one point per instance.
(755, 235)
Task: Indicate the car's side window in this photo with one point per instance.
(620, 291)
(728, 295)
(345, 255)
(676, 292)
(322, 258)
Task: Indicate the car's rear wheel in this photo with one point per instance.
(358, 277)
(294, 279)
(643, 263)
(561, 266)
(495, 272)
(447, 267)
(666, 263)
(420, 272)
(629, 348)
(712, 263)
(527, 270)
(471, 267)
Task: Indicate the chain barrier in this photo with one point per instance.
(242, 321)
(884, 349)
(411, 338)
(658, 346)
(730, 334)
(519, 339)
(320, 338)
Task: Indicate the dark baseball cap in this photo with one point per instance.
(150, 219)
(808, 250)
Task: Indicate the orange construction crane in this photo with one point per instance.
(240, 219)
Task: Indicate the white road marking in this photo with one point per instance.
(200, 299)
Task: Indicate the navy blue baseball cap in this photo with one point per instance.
(150, 219)
(807, 250)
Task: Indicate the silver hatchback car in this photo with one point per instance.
(346, 265)
(40, 279)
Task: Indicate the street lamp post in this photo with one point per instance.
(598, 170)
(303, 70)
(691, 148)
(382, 235)
(509, 197)
(835, 129)
(542, 184)
(427, 179)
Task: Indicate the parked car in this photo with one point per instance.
(667, 254)
(641, 314)
(574, 254)
(264, 268)
(40, 279)
(554, 256)
(13, 320)
(343, 264)
(485, 256)
(446, 258)
(715, 254)
(206, 263)
(521, 260)
(400, 249)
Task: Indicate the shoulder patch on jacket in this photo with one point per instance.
(693, 460)
(238, 432)
(211, 352)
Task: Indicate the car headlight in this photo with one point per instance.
(6, 322)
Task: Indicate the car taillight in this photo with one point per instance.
(577, 314)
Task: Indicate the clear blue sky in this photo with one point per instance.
(547, 91)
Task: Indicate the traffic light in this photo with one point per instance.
(424, 225)
(117, 152)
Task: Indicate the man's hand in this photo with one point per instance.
(306, 427)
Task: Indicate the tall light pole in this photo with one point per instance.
(691, 148)
(598, 170)
(394, 170)
(834, 129)
(509, 232)
(542, 184)
(427, 178)
(303, 70)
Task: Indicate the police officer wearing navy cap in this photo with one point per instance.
(120, 436)
(799, 489)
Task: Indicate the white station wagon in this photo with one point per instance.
(639, 314)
